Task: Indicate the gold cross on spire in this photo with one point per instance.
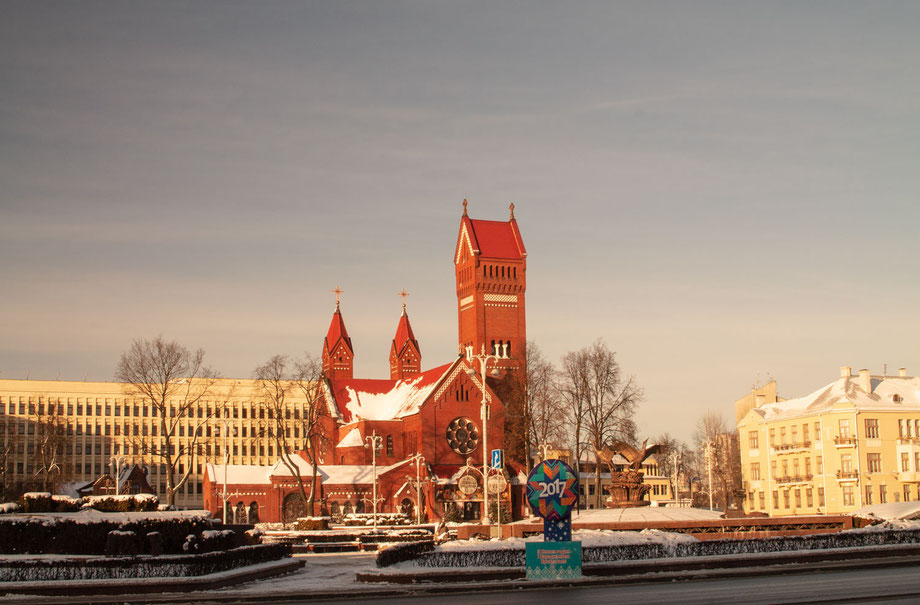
(404, 294)
(337, 292)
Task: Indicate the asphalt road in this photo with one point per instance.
(887, 585)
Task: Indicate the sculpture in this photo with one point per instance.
(626, 488)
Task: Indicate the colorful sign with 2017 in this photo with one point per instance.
(552, 490)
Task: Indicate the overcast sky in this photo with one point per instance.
(722, 191)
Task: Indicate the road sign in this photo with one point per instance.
(498, 459)
(497, 484)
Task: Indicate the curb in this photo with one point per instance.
(136, 586)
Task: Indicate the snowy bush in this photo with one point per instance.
(396, 553)
(365, 519)
(9, 507)
(47, 569)
(216, 540)
(36, 502)
(85, 533)
(122, 504)
(312, 523)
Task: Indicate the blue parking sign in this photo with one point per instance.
(498, 459)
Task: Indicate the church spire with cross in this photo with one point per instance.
(338, 354)
(405, 354)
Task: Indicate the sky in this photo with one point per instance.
(724, 192)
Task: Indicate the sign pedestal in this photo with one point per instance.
(552, 490)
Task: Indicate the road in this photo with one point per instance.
(887, 585)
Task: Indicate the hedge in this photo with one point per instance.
(397, 553)
(143, 567)
(513, 557)
(57, 535)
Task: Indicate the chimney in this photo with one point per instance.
(902, 371)
(845, 372)
(865, 380)
(760, 400)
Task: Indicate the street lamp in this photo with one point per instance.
(484, 360)
(374, 442)
(225, 423)
(419, 459)
(115, 464)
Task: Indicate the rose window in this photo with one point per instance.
(462, 435)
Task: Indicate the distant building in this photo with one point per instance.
(850, 444)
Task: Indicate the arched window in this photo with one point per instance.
(389, 445)
(508, 351)
(493, 348)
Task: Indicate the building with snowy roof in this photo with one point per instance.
(852, 443)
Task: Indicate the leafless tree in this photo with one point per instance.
(174, 380)
(52, 452)
(545, 411)
(8, 442)
(719, 447)
(280, 381)
(600, 399)
(675, 460)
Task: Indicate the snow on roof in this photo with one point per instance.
(353, 474)
(352, 439)
(280, 469)
(847, 390)
(890, 510)
(369, 399)
(239, 474)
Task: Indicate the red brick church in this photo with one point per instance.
(434, 413)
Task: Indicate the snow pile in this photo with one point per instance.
(8, 507)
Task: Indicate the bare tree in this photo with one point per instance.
(51, 452)
(720, 452)
(545, 411)
(675, 460)
(174, 380)
(8, 441)
(279, 381)
(601, 400)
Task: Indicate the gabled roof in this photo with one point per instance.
(404, 334)
(337, 331)
(372, 399)
(492, 239)
(847, 391)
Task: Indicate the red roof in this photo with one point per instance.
(344, 390)
(337, 331)
(496, 239)
(404, 333)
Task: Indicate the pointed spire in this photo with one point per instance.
(464, 207)
(405, 355)
(512, 211)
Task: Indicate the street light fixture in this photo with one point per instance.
(375, 443)
(484, 360)
(419, 459)
(115, 464)
(225, 423)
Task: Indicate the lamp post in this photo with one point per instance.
(115, 464)
(374, 442)
(484, 360)
(709, 465)
(225, 423)
(419, 459)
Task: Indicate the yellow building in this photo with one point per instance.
(102, 426)
(852, 443)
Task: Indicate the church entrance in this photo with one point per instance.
(472, 511)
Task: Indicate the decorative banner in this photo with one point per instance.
(553, 560)
(497, 484)
(468, 485)
(552, 490)
(558, 531)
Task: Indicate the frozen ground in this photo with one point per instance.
(322, 572)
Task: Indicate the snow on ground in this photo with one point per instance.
(332, 571)
(641, 514)
(587, 537)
